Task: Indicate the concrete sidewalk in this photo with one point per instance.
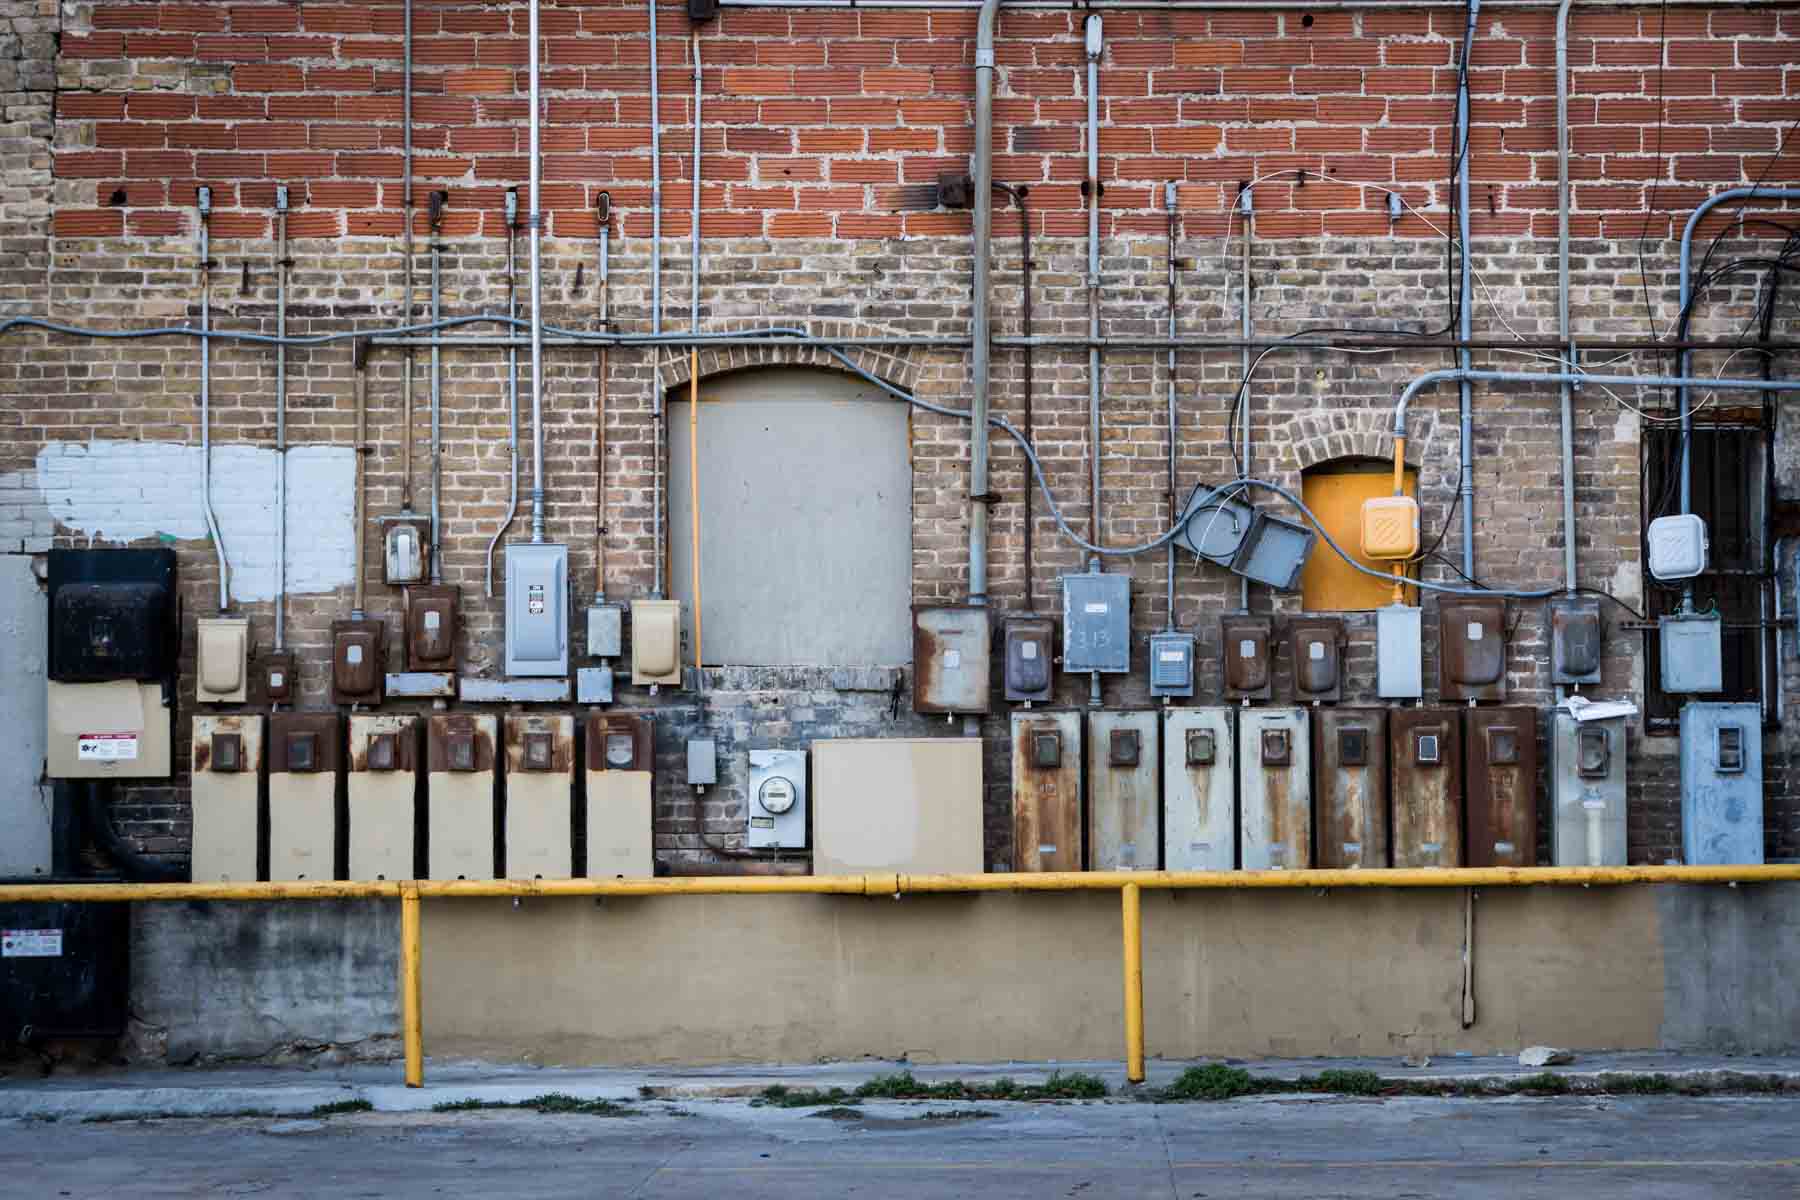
(287, 1091)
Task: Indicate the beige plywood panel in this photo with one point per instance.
(461, 825)
(225, 833)
(382, 828)
(540, 796)
(909, 805)
(619, 835)
(302, 825)
(117, 730)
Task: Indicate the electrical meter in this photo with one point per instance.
(776, 812)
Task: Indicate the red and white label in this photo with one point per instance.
(31, 943)
(106, 747)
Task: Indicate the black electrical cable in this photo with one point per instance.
(1581, 591)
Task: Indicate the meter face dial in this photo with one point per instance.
(776, 795)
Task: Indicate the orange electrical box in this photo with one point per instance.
(1335, 493)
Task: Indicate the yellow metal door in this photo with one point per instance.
(1336, 495)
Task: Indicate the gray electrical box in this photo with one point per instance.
(1097, 623)
(1399, 652)
(1587, 791)
(1575, 639)
(1721, 784)
(1030, 645)
(1124, 821)
(537, 609)
(950, 659)
(702, 762)
(605, 630)
(1171, 664)
(1275, 789)
(1693, 653)
(775, 807)
(1199, 799)
(1213, 526)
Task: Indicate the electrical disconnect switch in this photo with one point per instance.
(950, 659)
(405, 549)
(280, 682)
(223, 645)
(1575, 639)
(537, 609)
(1315, 644)
(1472, 649)
(656, 642)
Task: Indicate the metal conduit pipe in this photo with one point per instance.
(1566, 390)
(536, 224)
(1466, 304)
(694, 219)
(1096, 46)
(512, 383)
(1246, 203)
(437, 387)
(406, 249)
(359, 365)
(1203, 5)
(212, 520)
(1445, 375)
(656, 399)
(281, 280)
(980, 321)
(1170, 198)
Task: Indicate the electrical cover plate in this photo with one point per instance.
(1213, 526)
(1171, 664)
(1677, 547)
(1692, 654)
(537, 609)
(357, 653)
(1316, 649)
(1472, 648)
(222, 654)
(1399, 652)
(1030, 643)
(431, 612)
(656, 642)
(1390, 527)
(405, 549)
(605, 630)
(594, 685)
(776, 803)
(950, 659)
(1575, 639)
(1096, 623)
(1721, 784)
(1274, 552)
(1248, 658)
(112, 615)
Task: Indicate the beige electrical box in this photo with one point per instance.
(227, 753)
(383, 782)
(656, 642)
(540, 796)
(222, 657)
(907, 805)
(305, 750)
(459, 782)
(1390, 527)
(620, 841)
(115, 730)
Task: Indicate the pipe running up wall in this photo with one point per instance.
(437, 389)
(512, 383)
(536, 224)
(980, 320)
(406, 251)
(281, 282)
(212, 520)
(1566, 390)
(1096, 46)
(1465, 305)
(658, 414)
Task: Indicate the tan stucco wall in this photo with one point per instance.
(1001, 976)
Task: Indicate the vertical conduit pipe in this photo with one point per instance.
(536, 223)
(437, 387)
(1466, 396)
(212, 520)
(359, 365)
(406, 251)
(694, 364)
(281, 281)
(656, 401)
(980, 362)
(1562, 292)
(694, 218)
(1095, 47)
(1247, 204)
(1170, 195)
(512, 380)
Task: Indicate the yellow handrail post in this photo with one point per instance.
(411, 987)
(1134, 982)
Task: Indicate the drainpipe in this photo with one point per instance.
(1562, 292)
(437, 200)
(1095, 47)
(512, 381)
(657, 413)
(980, 320)
(536, 224)
(212, 521)
(281, 278)
(1169, 200)
(1247, 205)
(406, 253)
(1466, 304)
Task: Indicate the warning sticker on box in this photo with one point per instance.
(1096, 608)
(106, 747)
(31, 943)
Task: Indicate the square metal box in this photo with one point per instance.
(1244, 645)
(1575, 639)
(1472, 648)
(1399, 652)
(357, 656)
(1721, 784)
(431, 628)
(1097, 623)
(1171, 664)
(1693, 654)
(1316, 646)
(537, 609)
(605, 630)
(950, 659)
(1213, 526)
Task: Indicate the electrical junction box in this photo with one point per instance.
(540, 796)
(278, 677)
(656, 642)
(537, 609)
(1275, 791)
(383, 787)
(1096, 623)
(1316, 647)
(65, 968)
(305, 750)
(1692, 653)
(1030, 644)
(1390, 528)
(1472, 648)
(1676, 547)
(1399, 652)
(620, 807)
(117, 730)
(950, 659)
(227, 757)
(405, 549)
(1274, 552)
(1124, 811)
(776, 804)
(358, 661)
(112, 615)
(1046, 791)
(1575, 639)
(1199, 800)
(222, 657)
(1721, 784)
(1171, 664)
(1247, 657)
(1587, 791)
(594, 685)
(459, 764)
(1425, 757)
(1500, 786)
(908, 805)
(702, 763)
(1351, 770)
(431, 611)
(1214, 525)
(605, 630)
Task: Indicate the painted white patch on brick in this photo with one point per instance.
(127, 491)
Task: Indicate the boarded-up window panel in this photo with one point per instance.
(1335, 492)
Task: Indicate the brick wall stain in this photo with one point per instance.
(823, 132)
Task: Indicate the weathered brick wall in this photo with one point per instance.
(824, 132)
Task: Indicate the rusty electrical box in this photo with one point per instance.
(227, 756)
(358, 654)
(431, 612)
(1316, 646)
(1124, 819)
(1350, 769)
(1275, 789)
(382, 792)
(305, 753)
(1046, 791)
(950, 659)
(1500, 782)
(1029, 644)
(1425, 782)
(1575, 639)
(1244, 647)
(540, 796)
(459, 742)
(276, 671)
(618, 742)
(304, 743)
(1472, 648)
(459, 760)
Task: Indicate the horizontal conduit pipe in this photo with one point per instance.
(1449, 375)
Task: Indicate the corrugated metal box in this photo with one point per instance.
(1199, 790)
(1425, 757)
(1721, 784)
(908, 805)
(383, 787)
(1046, 791)
(1275, 793)
(1124, 803)
(459, 761)
(1500, 786)
(227, 755)
(1350, 774)
(1587, 792)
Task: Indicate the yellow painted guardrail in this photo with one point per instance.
(1129, 884)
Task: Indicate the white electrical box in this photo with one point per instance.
(540, 796)
(304, 752)
(537, 609)
(1199, 800)
(459, 760)
(776, 805)
(222, 657)
(620, 755)
(405, 549)
(383, 788)
(1275, 799)
(227, 754)
(656, 642)
(1677, 547)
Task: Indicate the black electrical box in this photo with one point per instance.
(112, 615)
(65, 969)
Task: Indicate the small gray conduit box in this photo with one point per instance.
(1097, 623)
(1171, 664)
(702, 763)
(1399, 652)
(605, 630)
(537, 609)
(1693, 653)
(1274, 552)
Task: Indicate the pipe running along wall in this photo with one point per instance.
(406, 251)
(1565, 390)
(980, 319)
(536, 224)
(1465, 304)
(206, 502)
(512, 384)
(281, 448)
(435, 213)
(1096, 46)
(658, 414)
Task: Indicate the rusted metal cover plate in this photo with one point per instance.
(1046, 801)
(1316, 648)
(1030, 646)
(557, 729)
(1247, 656)
(358, 661)
(1350, 775)
(1472, 648)
(366, 728)
(326, 742)
(1500, 750)
(246, 727)
(950, 659)
(608, 736)
(1124, 825)
(481, 729)
(1575, 639)
(1275, 796)
(431, 627)
(1200, 810)
(1425, 753)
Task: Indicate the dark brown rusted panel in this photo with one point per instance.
(1316, 649)
(1575, 639)
(1046, 800)
(1472, 648)
(1030, 671)
(445, 733)
(275, 672)
(1350, 782)
(539, 743)
(950, 659)
(358, 661)
(305, 743)
(1500, 748)
(618, 730)
(431, 614)
(389, 750)
(1245, 646)
(1425, 756)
